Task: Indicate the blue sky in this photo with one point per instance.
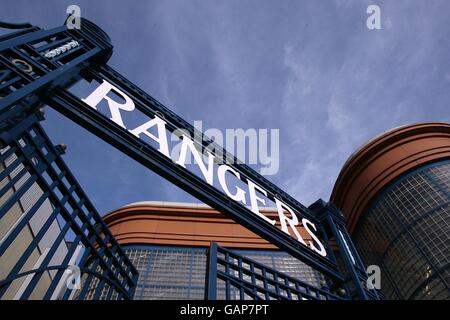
(310, 68)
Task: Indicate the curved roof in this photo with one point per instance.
(185, 224)
(383, 159)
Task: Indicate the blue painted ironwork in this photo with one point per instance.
(41, 172)
(255, 281)
(33, 71)
(335, 222)
(122, 139)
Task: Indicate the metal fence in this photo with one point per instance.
(53, 243)
(246, 279)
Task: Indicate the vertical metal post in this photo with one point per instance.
(347, 257)
(333, 220)
(211, 273)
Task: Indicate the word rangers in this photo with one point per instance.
(159, 136)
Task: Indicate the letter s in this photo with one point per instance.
(321, 250)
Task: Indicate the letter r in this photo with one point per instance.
(101, 93)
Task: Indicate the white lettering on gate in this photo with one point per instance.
(240, 194)
(101, 92)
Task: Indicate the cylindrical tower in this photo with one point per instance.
(395, 193)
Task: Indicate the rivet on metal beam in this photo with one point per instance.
(61, 148)
(40, 112)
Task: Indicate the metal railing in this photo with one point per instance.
(246, 279)
(49, 226)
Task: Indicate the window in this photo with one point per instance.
(406, 231)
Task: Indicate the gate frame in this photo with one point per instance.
(51, 78)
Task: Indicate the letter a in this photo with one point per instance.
(374, 20)
(161, 139)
